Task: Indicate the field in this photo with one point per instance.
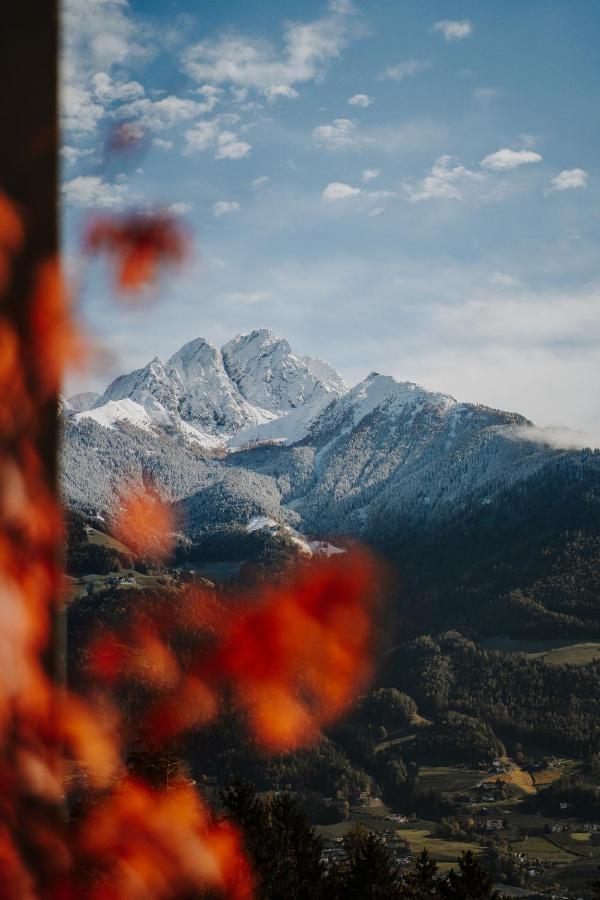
(573, 654)
(77, 587)
(419, 835)
(555, 652)
(543, 848)
(518, 777)
(105, 540)
(546, 777)
(450, 779)
(442, 851)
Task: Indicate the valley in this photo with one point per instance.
(480, 729)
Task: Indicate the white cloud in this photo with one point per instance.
(257, 184)
(569, 179)
(211, 95)
(180, 209)
(280, 90)
(445, 181)
(337, 190)
(229, 147)
(201, 136)
(73, 154)
(339, 134)
(376, 212)
(97, 36)
(505, 159)
(88, 191)
(162, 144)
(556, 437)
(80, 113)
(159, 115)
(253, 63)
(223, 207)
(239, 94)
(362, 100)
(209, 135)
(100, 34)
(107, 90)
(454, 30)
(344, 7)
(370, 174)
(405, 69)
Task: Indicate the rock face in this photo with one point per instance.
(219, 397)
(210, 399)
(302, 448)
(270, 375)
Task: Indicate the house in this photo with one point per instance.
(557, 828)
(493, 824)
(333, 852)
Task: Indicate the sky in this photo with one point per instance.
(404, 187)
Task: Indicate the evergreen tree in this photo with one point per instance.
(471, 882)
(368, 872)
(296, 871)
(284, 850)
(422, 884)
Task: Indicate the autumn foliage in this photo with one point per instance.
(138, 245)
(290, 658)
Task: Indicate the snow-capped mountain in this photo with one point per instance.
(302, 449)
(255, 389)
(270, 375)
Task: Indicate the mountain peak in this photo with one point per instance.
(269, 374)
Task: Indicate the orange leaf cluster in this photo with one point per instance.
(160, 844)
(145, 523)
(292, 658)
(139, 246)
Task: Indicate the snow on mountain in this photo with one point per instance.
(310, 548)
(210, 399)
(156, 387)
(113, 411)
(270, 375)
(256, 389)
(377, 390)
(287, 428)
(303, 451)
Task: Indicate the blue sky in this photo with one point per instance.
(408, 187)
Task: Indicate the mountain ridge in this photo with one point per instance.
(212, 395)
(379, 456)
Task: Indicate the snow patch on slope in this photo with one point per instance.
(114, 411)
(310, 548)
(270, 375)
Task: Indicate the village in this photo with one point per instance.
(542, 856)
